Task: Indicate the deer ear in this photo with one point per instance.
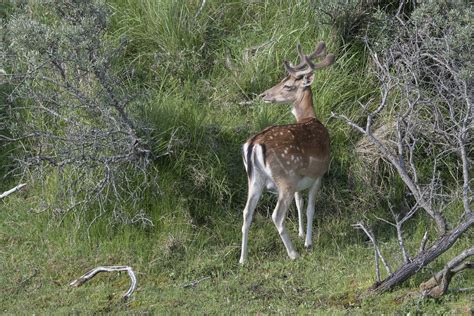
(308, 79)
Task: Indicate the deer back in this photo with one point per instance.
(298, 150)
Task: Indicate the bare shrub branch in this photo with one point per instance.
(423, 242)
(426, 97)
(70, 113)
(398, 226)
(376, 248)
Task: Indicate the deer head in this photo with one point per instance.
(300, 77)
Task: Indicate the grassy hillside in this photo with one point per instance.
(197, 73)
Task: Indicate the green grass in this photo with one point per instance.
(39, 259)
(196, 71)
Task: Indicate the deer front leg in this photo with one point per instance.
(300, 206)
(279, 216)
(255, 191)
(310, 212)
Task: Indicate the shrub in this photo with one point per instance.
(71, 113)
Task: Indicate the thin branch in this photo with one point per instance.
(15, 139)
(195, 282)
(348, 121)
(377, 266)
(201, 7)
(7, 193)
(406, 257)
(374, 243)
(90, 274)
(423, 242)
(465, 172)
(410, 213)
(398, 226)
(456, 261)
(385, 221)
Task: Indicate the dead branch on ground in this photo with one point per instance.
(92, 273)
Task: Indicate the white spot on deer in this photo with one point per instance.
(281, 133)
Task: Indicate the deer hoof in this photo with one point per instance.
(294, 255)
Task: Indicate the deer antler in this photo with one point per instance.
(327, 61)
(306, 66)
(319, 51)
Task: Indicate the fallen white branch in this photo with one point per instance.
(90, 274)
(7, 193)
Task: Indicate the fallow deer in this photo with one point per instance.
(288, 159)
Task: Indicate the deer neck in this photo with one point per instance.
(303, 107)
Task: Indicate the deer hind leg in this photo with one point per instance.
(255, 191)
(279, 216)
(300, 206)
(310, 212)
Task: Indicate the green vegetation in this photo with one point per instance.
(196, 73)
(39, 260)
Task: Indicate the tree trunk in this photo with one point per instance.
(423, 259)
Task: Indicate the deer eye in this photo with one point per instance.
(289, 88)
